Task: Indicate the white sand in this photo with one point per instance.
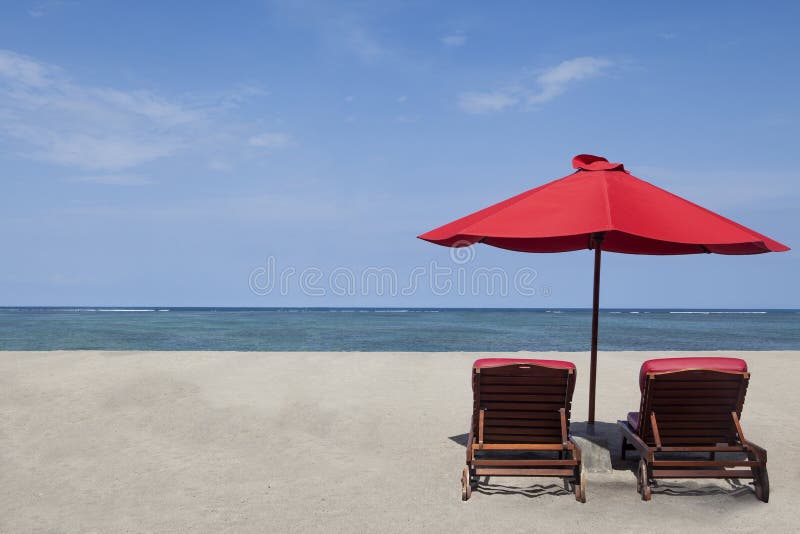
(327, 442)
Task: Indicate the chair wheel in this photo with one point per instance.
(642, 482)
(580, 484)
(466, 485)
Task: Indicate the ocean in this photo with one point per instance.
(390, 329)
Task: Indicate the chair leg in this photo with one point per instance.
(624, 446)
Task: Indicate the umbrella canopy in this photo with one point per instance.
(602, 206)
(636, 217)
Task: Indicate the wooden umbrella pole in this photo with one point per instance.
(597, 240)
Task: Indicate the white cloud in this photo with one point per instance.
(147, 105)
(474, 102)
(402, 99)
(114, 179)
(358, 39)
(40, 9)
(56, 120)
(554, 81)
(454, 40)
(239, 95)
(406, 119)
(549, 84)
(48, 117)
(255, 207)
(271, 140)
(23, 70)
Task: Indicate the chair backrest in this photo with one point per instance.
(692, 406)
(521, 399)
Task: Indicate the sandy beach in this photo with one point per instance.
(332, 442)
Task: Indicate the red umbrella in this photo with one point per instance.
(601, 206)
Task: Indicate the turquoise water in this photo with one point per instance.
(341, 329)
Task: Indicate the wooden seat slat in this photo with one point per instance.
(693, 440)
(698, 394)
(675, 385)
(683, 410)
(694, 425)
(559, 399)
(528, 406)
(513, 438)
(523, 463)
(523, 423)
(530, 472)
(522, 414)
(521, 388)
(522, 431)
(522, 380)
(664, 417)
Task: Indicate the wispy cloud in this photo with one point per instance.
(360, 41)
(454, 40)
(473, 102)
(24, 71)
(271, 140)
(349, 28)
(40, 9)
(48, 117)
(254, 207)
(113, 179)
(406, 119)
(554, 81)
(548, 84)
(58, 121)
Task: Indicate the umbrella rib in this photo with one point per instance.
(608, 204)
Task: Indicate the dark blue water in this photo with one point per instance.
(338, 329)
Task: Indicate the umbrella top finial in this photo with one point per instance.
(588, 162)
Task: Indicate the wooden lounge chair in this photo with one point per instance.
(693, 405)
(520, 423)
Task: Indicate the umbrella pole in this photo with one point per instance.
(597, 239)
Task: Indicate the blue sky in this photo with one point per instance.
(165, 153)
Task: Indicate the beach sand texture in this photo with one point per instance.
(332, 442)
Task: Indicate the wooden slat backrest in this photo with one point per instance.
(521, 402)
(692, 406)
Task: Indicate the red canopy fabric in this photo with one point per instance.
(601, 197)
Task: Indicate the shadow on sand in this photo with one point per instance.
(533, 491)
(734, 488)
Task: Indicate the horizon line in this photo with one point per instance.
(143, 307)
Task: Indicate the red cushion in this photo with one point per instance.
(678, 364)
(494, 362)
(633, 420)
